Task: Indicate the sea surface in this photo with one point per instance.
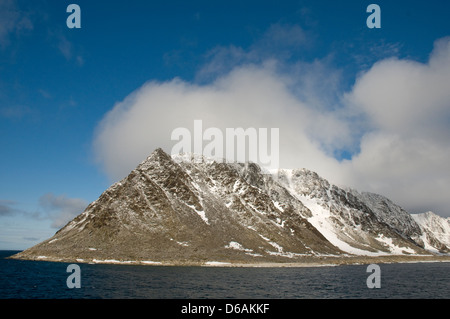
(48, 280)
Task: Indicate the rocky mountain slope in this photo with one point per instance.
(358, 223)
(435, 232)
(187, 209)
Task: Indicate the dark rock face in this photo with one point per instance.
(190, 210)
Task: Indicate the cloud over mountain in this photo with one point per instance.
(394, 120)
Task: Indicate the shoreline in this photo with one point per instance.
(311, 262)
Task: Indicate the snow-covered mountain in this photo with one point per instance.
(357, 223)
(435, 231)
(186, 209)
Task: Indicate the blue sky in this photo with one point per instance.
(58, 84)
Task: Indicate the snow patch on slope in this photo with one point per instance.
(321, 221)
(434, 227)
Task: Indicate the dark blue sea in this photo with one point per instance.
(48, 280)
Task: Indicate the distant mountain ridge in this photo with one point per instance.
(435, 232)
(187, 209)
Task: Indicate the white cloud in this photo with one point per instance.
(16, 112)
(13, 21)
(250, 96)
(60, 209)
(397, 115)
(279, 41)
(7, 208)
(67, 49)
(406, 153)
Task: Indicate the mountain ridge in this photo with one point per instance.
(188, 209)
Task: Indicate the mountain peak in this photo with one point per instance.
(159, 154)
